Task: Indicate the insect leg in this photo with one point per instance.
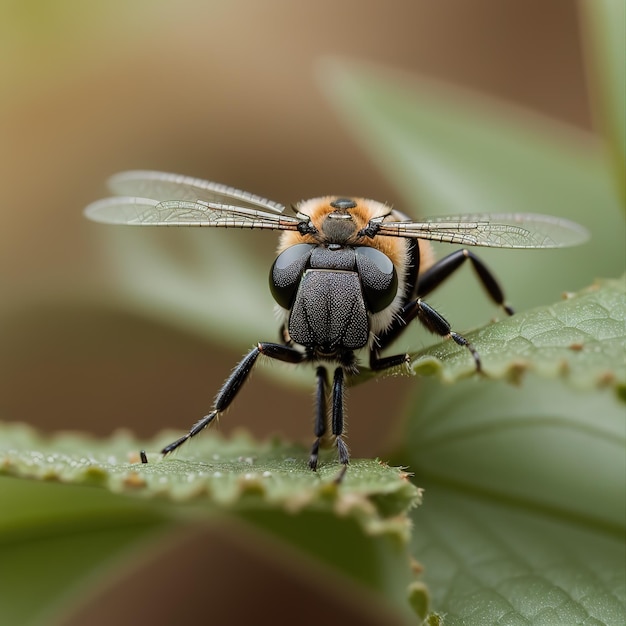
(337, 416)
(433, 321)
(437, 324)
(427, 282)
(320, 414)
(233, 384)
(443, 268)
(382, 363)
(281, 352)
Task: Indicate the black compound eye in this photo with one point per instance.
(379, 278)
(287, 271)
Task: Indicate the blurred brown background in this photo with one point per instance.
(220, 90)
(224, 91)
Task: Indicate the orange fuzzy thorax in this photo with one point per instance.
(393, 247)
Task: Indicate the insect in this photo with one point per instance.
(350, 274)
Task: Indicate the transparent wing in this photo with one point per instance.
(164, 186)
(493, 230)
(149, 212)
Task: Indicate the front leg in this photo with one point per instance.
(233, 385)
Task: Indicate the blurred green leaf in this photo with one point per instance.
(57, 541)
(541, 444)
(449, 151)
(378, 561)
(201, 280)
(603, 24)
(214, 284)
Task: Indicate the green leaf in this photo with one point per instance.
(541, 444)
(57, 541)
(178, 276)
(223, 473)
(488, 563)
(525, 500)
(582, 338)
(108, 496)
